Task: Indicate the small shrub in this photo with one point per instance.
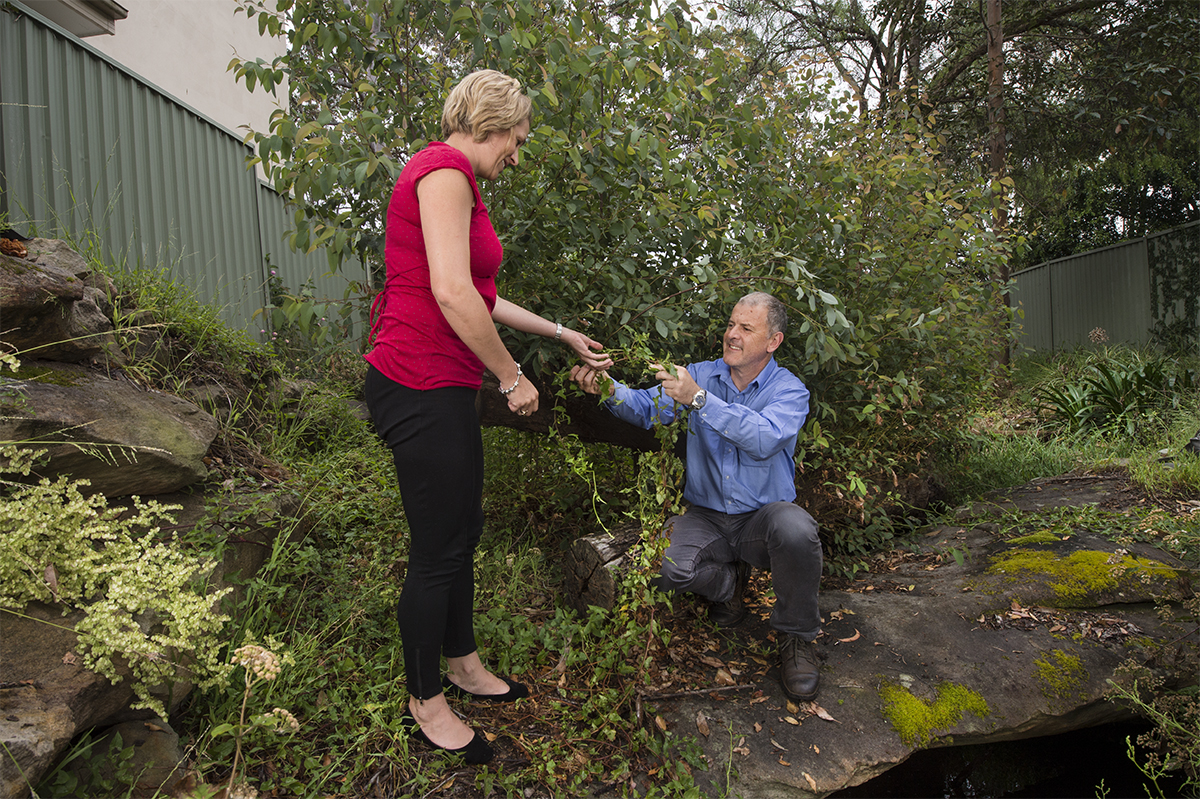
(1121, 392)
(61, 547)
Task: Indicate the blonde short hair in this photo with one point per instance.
(484, 102)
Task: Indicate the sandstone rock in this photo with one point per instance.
(123, 438)
(52, 305)
(1037, 644)
(148, 753)
(47, 698)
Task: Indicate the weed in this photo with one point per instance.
(83, 771)
(1120, 391)
(1173, 746)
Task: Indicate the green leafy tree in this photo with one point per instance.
(1099, 97)
(663, 179)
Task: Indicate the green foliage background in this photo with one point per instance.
(664, 179)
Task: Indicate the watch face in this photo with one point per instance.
(699, 400)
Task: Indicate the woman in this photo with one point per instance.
(434, 335)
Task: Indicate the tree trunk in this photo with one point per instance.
(995, 43)
(595, 564)
(581, 415)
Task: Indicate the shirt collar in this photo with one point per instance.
(761, 379)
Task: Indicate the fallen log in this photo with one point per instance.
(595, 565)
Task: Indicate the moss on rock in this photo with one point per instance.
(916, 720)
(1061, 676)
(44, 374)
(1082, 579)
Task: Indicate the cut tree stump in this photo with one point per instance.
(595, 565)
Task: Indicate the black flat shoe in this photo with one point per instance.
(515, 691)
(476, 752)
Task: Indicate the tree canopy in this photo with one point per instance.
(665, 177)
(1099, 98)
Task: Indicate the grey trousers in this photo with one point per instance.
(781, 537)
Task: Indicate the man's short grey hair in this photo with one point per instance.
(776, 311)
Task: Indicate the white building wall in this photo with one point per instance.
(184, 47)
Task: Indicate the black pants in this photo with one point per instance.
(781, 537)
(438, 451)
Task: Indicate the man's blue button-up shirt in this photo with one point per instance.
(741, 444)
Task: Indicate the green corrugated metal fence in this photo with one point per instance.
(1143, 292)
(89, 148)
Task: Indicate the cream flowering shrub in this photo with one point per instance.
(142, 598)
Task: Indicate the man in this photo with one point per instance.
(746, 412)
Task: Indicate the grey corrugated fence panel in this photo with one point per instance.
(1032, 295)
(1107, 289)
(1122, 289)
(90, 147)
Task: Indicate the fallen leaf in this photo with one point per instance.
(778, 745)
(709, 660)
(820, 712)
(702, 723)
(792, 720)
(816, 749)
(491, 736)
(755, 700)
(724, 678)
(792, 707)
(783, 762)
(854, 637)
(811, 782)
(741, 750)
(71, 659)
(661, 723)
(561, 666)
(757, 726)
(153, 727)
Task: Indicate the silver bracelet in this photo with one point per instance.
(558, 332)
(507, 391)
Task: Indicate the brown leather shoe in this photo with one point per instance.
(798, 668)
(733, 610)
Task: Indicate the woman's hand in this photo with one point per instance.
(523, 401)
(583, 346)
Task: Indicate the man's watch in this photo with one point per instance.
(699, 400)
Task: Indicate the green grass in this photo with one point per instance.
(1015, 438)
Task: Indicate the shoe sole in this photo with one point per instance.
(808, 698)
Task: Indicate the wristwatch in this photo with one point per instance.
(699, 400)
